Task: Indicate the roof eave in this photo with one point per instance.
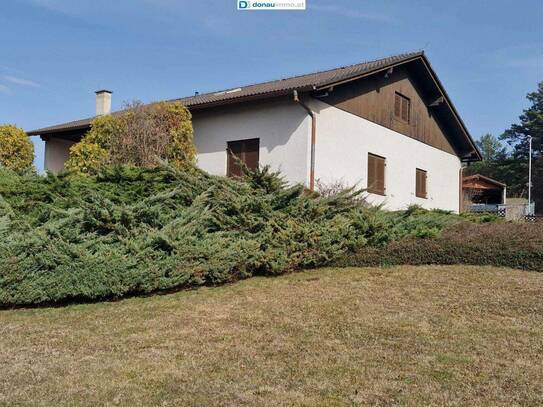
(480, 176)
(479, 156)
(45, 131)
(192, 107)
(246, 98)
(327, 85)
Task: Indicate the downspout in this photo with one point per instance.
(461, 203)
(311, 113)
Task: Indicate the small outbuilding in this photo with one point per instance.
(478, 190)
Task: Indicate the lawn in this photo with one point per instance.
(429, 335)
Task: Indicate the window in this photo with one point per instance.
(376, 174)
(244, 150)
(420, 184)
(402, 107)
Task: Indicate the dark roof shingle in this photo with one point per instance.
(272, 88)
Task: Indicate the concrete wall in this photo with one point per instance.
(283, 128)
(344, 141)
(56, 153)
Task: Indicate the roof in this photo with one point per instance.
(281, 87)
(266, 89)
(478, 177)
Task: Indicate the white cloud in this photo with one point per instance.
(5, 89)
(22, 82)
(352, 13)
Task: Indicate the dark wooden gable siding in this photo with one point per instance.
(375, 99)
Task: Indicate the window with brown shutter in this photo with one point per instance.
(376, 174)
(402, 107)
(245, 151)
(420, 183)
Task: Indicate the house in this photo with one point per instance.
(482, 193)
(385, 125)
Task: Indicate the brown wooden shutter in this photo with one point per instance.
(381, 175)
(251, 153)
(234, 150)
(376, 174)
(420, 183)
(371, 172)
(405, 109)
(402, 107)
(425, 184)
(247, 151)
(397, 105)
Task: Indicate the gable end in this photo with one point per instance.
(409, 99)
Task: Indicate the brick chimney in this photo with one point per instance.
(103, 102)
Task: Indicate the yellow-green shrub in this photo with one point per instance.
(140, 136)
(86, 158)
(16, 149)
(91, 153)
(182, 151)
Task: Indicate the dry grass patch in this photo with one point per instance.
(406, 335)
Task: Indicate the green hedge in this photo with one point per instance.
(132, 231)
(515, 245)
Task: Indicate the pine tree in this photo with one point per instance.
(517, 136)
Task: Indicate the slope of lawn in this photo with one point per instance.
(427, 335)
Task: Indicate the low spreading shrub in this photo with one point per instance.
(130, 231)
(516, 245)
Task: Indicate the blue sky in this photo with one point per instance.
(56, 53)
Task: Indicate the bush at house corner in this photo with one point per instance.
(139, 135)
(16, 149)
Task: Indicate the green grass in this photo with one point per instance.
(427, 335)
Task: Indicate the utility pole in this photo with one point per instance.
(530, 176)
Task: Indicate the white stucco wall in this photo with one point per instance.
(282, 127)
(344, 141)
(56, 154)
